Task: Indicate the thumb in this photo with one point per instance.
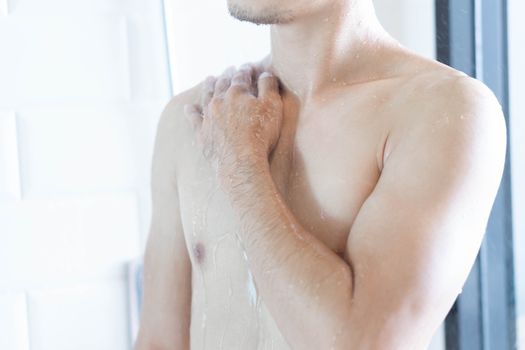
(268, 85)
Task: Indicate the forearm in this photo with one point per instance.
(160, 337)
(166, 306)
(159, 334)
(144, 343)
(306, 286)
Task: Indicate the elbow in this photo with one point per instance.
(336, 330)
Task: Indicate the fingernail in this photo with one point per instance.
(265, 75)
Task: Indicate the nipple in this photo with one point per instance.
(198, 252)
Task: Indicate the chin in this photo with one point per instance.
(260, 12)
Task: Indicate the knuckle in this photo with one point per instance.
(234, 90)
(237, 80)
(222, 82)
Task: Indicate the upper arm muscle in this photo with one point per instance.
(417, 235)
(167, 267)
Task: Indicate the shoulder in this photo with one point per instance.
(444, 105)
(172, 116)
(456, 92)
(467, 106)
(454, 128)
(172, 135)
(444, 88)
(430, 83)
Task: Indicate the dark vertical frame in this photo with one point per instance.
(472, 37)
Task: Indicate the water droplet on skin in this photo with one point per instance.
(215, 249)
(335, 337)
(228, 313)
(252, 289)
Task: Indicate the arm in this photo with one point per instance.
(166, 309)
(411, 246)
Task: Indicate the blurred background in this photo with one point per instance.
(82, 86)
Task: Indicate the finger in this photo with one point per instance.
(207, 90)
(255, 70)
(268, 85)
(242, 80)
(250, 67)
(194, 115)
(224, 81)
(221, 86)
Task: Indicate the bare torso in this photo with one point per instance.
(326, 163)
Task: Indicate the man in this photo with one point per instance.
(337, 201)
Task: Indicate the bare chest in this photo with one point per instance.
(323, 168)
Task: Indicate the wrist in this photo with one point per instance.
(247, 171)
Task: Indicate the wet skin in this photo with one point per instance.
(358, 197)
(354, 228)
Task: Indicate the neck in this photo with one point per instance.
(333, 46)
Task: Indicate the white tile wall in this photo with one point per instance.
(13, 322)
(411, 22)
(9, 162)
(75, 150)
(80, 317)
(58, 58)
(47, 242)
(127, 7)
(83, 85)
(4, 7)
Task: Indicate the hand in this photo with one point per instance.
(238, 121)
